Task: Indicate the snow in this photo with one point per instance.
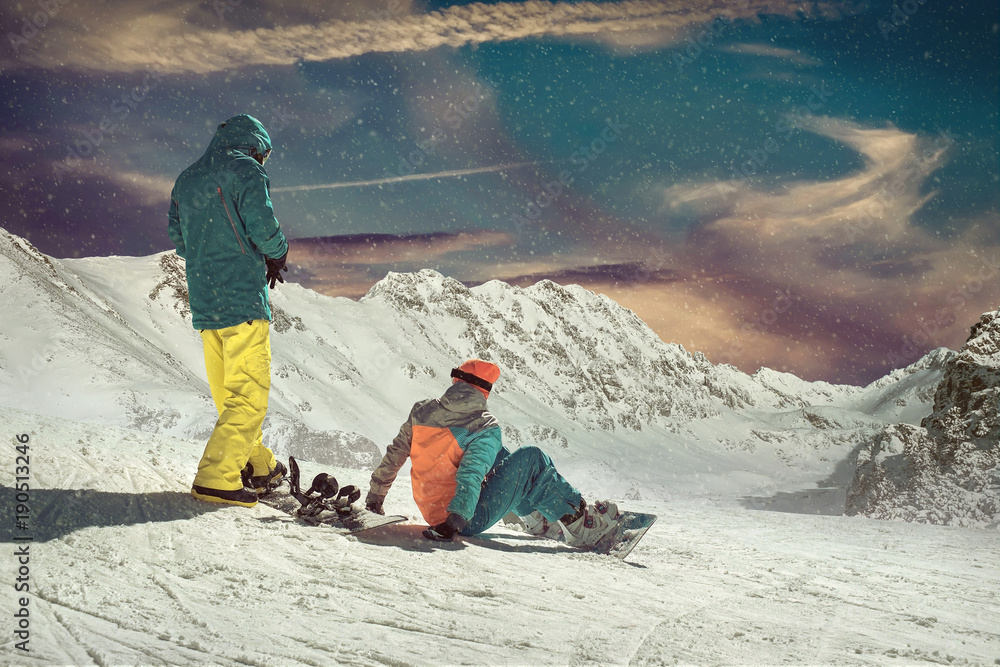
(100, 366)
(155, 577)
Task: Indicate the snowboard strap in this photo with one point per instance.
(340, 500)
(293, 481)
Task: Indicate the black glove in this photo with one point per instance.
(373, 503)
(274, 269)
(445, 532)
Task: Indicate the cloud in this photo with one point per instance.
(144, 36)
(830, 279)
(833, 267)
(148, 189)
(84, 206)
(385, 248)
(611, 275)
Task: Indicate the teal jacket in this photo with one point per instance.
(222, 224)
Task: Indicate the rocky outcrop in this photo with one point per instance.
(947, 471)
(967, 401)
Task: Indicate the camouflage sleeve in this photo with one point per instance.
(395, 457)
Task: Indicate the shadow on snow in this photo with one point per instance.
(408, 537)
(53, 513)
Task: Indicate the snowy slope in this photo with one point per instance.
(108, 340)
(67, 350)
(906, 394)
(127, 569)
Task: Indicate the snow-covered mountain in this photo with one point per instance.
(102, 374)
(947, 470)
(108, 340)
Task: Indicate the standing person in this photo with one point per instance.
(465, 480)
(223, 226)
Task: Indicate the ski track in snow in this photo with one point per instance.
(164, 579)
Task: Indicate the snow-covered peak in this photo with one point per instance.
(413, 289)
(577, 351)
(109, 339)
(948, 469)
(934, 360)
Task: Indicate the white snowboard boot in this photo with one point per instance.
(538, 525)
(535, 523)
(593, 523)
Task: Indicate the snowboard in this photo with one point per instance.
(324, 504)
(618, 543)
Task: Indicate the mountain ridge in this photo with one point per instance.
(582, 377)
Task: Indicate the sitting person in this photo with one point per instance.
(465, 480)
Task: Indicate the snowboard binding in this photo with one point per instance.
(323, 495)
(265, 485)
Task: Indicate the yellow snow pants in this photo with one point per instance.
(238, 362)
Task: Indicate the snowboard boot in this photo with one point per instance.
(585, 527)
(244, 497)
(264, 483)
(535, 523)
(538, 525)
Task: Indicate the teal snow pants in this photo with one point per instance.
(522, 482)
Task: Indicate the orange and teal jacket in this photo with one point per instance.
(452, 443)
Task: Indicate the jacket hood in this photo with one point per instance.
(241, 131)
(463, 397)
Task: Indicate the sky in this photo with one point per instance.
(807, 186)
